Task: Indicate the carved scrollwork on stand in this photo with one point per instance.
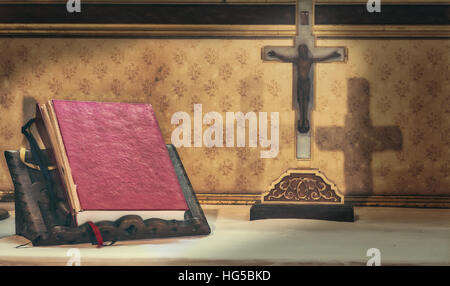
(303, 186)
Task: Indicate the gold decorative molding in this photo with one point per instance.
(161, 30)
(360, 201)
(228, 199)
(374, 31)
(400, 201)
(300, 186)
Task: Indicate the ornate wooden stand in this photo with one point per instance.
(35, 222)
(303, 194)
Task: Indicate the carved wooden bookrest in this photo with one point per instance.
(35, 222)
(304, 194)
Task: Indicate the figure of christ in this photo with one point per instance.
(303, 63)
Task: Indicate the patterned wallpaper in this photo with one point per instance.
(406, 98)
(404, 86)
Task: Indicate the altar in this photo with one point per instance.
(403, 236)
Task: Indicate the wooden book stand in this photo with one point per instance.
(36, 222)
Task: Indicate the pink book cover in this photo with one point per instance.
(118, 157)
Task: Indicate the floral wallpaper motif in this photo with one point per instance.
(409, 88)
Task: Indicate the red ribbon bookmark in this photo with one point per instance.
(98, 235)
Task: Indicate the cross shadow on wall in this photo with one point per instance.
(358, 139)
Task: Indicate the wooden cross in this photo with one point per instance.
(304, 54)
(358, 139)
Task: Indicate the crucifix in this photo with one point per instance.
(304, 54)
(303, 193)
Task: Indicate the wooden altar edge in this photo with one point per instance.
(160, 30)
(368, 201)
(381, 31)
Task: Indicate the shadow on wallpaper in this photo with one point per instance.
(358, 139)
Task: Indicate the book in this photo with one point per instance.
(112, 160)
(35, 223)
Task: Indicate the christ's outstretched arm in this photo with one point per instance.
(281, 57)
(330, 56)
